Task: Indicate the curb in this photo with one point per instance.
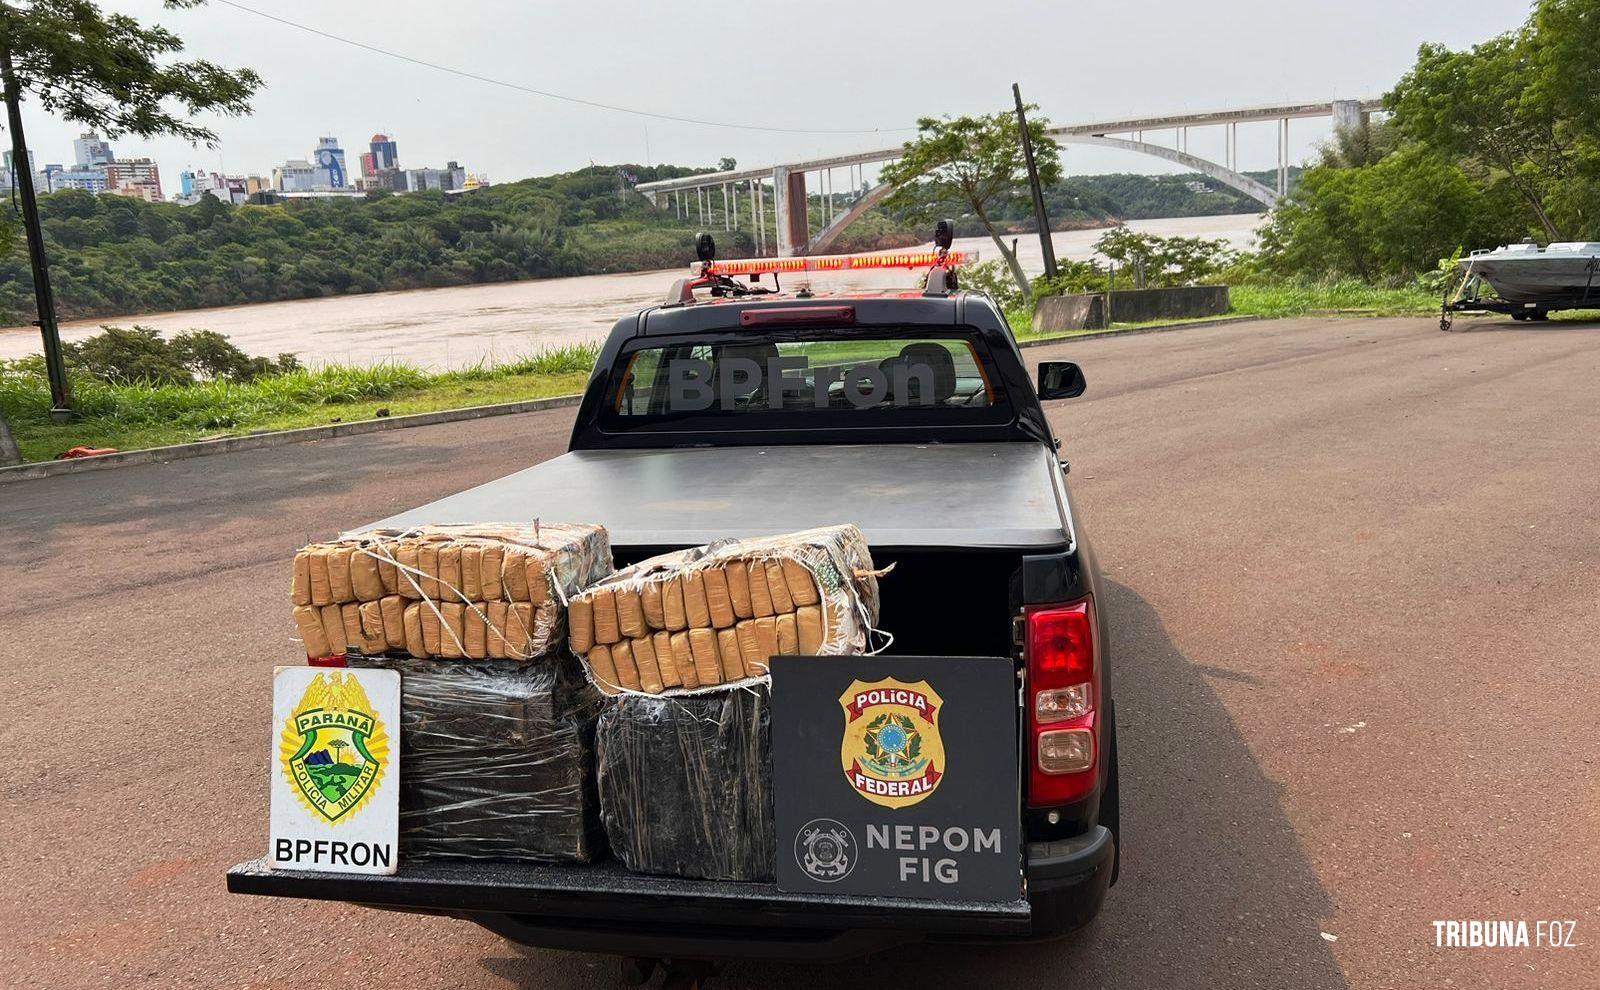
(278, 438)
(1134, 331)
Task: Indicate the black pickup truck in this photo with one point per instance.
(911, 415)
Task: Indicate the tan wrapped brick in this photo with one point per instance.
(788, 635)
(728, 654)
(489, 580)
(767, 637)
(388, 574)
(644, 657)
(683, 659)
(428, 564)
(808, 626)
(317, 576)
(373, 639)
(452, 638)
(300, 587)
(627, 669)
(778, 588)
(308, 619)
(672, 605)
(760, 596)
(408, 562)
(497, 629)
(538, 578)
(350, 618)
(604, 670)
(650, 602)
(432, 632)
(450, 573)
(394, 621)
(605, 617)
(666, 659)
(707, 661)
(695, 607)
(415, 642)
(364, 579)
(750, 648)
(718, 602)
(339, 575)
(801, 583)
(738, 578)
(630, 614)
(520, 629)
(333, 628)
(580, 625)
(514, 575)
(477, 636)
(472, 572)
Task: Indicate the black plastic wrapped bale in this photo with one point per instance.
(497, 761)
(686, 784)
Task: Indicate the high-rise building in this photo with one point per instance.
(89, 149)
(54, 178)
(139, 173)
(329, 158)
(7, 175)
(369, 165)
(384, 153)
(298, 175)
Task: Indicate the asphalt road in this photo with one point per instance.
(1355, 595)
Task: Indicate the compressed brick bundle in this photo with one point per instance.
(713, 616)
(686, 784)
(457, 592)
(497, 760)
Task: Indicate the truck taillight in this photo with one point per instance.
(1063, 695)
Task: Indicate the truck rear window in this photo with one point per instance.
(840, 381)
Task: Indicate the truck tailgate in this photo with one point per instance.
(606, 892)
(956, 495)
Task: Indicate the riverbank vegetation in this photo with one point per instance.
(127, 400)
(1481, 147)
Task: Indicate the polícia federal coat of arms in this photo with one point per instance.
(334, 749)
(892, 753)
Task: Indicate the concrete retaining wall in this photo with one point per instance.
(1058, 314)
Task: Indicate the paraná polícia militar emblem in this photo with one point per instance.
(334, 749)
(892, 754)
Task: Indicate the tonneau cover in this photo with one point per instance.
(967, 495)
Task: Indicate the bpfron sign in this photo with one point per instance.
(336, 770)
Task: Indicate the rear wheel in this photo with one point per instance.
(1539, 315)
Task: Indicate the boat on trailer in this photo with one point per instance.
(1529, 282)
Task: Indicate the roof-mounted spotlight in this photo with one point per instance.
(705, 248)
(944, 234)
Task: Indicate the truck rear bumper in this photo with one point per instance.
(604, 908)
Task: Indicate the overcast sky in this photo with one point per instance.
(818, 65)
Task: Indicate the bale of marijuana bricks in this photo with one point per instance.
(497, 760)
(459, 592)
(686, 784)
(713, 616)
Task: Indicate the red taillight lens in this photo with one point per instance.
(1063, 694)
(797, 316)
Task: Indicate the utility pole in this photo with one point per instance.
(1042, 219)
(60, 395)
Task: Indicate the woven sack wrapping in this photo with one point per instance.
(476, 592)
(686, 784)
(712, 617)
(498, 760)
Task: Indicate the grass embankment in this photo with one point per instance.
(131, 416)
(1280, 301)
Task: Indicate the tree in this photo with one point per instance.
(1477, 106)
(338, 746)
(975, 162)
(111, 73)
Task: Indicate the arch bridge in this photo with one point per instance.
(773, 202)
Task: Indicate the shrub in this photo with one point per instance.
(141, 354)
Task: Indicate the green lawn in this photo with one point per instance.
(133, 416)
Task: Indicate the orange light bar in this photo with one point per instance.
(838, 263)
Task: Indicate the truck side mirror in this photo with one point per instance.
(1060, 380)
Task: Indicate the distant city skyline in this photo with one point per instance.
(879, 69)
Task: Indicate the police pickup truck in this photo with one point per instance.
(734, 409)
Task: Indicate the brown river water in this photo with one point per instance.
(464, 325)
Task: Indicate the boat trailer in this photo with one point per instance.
(1468, 298)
